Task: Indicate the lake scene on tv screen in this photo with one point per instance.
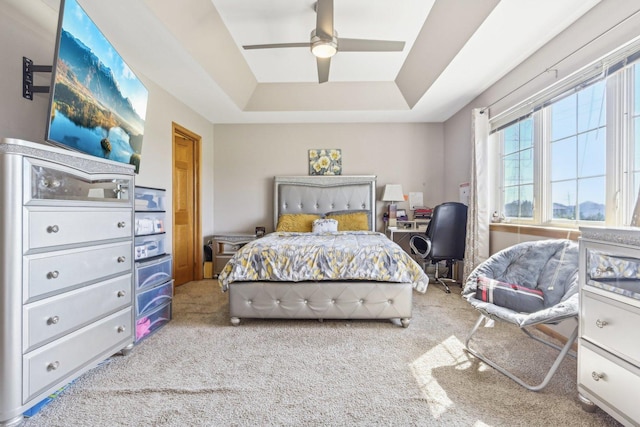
(98, 103)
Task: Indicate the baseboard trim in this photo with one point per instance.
(554, 334)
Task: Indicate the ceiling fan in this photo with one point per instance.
(325, 43)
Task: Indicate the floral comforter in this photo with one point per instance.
(346, 255)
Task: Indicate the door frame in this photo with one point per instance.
(177, 130)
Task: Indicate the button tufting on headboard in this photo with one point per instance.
(319, 195)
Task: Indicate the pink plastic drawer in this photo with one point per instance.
(148, 324)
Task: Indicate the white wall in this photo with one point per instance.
(247, 157)
(34, 37)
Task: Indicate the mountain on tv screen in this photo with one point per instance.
(98, 105)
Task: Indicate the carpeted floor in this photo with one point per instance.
(201, 371)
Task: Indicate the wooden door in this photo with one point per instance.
(187, 247)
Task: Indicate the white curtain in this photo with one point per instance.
(477, 245)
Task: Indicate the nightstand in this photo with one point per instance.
(225, 245)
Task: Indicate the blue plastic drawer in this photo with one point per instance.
(148, 324)
(150, 299)
(153, 272)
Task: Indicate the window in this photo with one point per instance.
(578, 155)
(634, 135)
(517, 167)
(554, 162)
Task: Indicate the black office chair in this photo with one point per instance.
(444, 239)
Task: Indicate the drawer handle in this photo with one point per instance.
(601, 323)
(121, 259)
(597, 376)
(121, 224)
(53, 366)
(121, 294)
(53, 274)
(121, 329)
(53, 229)
(53, 320)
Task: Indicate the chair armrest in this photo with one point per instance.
(420, 245)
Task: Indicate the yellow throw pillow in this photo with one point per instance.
(302, 223)
(356, 221)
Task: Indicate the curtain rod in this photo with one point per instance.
(552, 67)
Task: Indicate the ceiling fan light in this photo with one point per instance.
(323, 48)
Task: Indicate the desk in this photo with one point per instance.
(403, 235)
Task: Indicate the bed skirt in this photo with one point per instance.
(320, 300)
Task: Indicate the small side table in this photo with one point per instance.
(401, 235)
(225, 245)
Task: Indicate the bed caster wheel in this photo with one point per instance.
(235, 321)
(405, 322)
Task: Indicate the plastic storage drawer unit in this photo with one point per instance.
(149, 199)
(153, 272)
(150, 323)
(149, 246)
(148, 300)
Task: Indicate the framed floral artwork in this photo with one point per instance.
(325, 161)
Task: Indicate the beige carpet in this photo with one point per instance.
(201, 371)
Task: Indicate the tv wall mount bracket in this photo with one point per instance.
(28, 89)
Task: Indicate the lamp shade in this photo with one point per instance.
(393, 193)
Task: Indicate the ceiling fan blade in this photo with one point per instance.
(323, 69)
(363, 45)
(324, 19)
(275, 45)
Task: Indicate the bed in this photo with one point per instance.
(293, 273)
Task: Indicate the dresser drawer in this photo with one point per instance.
(611, 325)
(153, 272)
(47, 228)
(609, 380)
(53, 317)
(53, 272)
(45, 366)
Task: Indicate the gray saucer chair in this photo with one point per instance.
(528, 284)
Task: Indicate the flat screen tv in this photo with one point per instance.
(97, 104)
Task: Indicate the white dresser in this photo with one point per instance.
(609, 345)
(66, 276)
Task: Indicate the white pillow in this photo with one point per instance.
(325, 225)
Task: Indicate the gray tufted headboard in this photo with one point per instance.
(322, 194)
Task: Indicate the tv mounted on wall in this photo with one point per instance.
(97, 104)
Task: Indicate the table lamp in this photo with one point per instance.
(393, 193)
